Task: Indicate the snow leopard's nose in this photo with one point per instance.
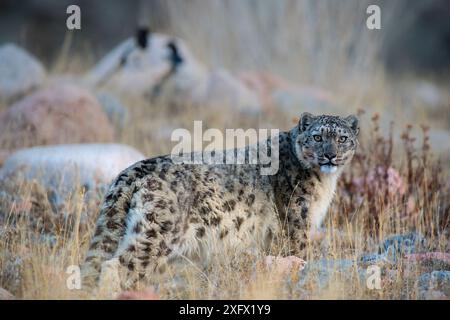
(330, 155)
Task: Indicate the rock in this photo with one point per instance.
(167, 69)
(56, 115)
(403, 244)
(294, 101)
(220, 89)
(4, 154)
(427, 93)
(147, 294)
(60, 169)
(117, 113)
(133, 70)
(20, 72)
(430, 258)
(5, 295)
(285, 264)
(276, 93)
(394, 248)
(432, 295)
(375, 258)
(321, 272)
(439, 142)
(264, 84)
(434, 281)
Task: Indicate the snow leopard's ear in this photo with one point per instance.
(353, 123)
(305, 121)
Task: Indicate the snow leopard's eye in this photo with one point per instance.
(317, 138)
(342, 139)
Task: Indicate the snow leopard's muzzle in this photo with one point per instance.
(327, 142)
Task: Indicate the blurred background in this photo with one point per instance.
(275, 59)
(79, 106)
(415, 35)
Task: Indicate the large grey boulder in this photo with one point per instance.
(19, 72)
(394, 248)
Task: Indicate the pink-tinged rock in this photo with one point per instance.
(429, 256)
(264, 84)
(6, 295)
(146, 294)
(285, 264)
(59, 114)
(221, 89)
(275, 92)
(388, 180)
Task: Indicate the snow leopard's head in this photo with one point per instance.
(326, 142)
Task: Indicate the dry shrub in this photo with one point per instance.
(407, 192)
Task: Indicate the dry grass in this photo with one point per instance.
(38, 244)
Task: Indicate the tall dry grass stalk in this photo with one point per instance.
(320, 42)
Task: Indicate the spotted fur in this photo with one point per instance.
(158, 211)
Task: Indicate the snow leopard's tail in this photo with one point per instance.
(110, 226)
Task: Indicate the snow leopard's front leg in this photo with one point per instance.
(297, 224)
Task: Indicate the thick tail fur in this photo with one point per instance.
(109, 229)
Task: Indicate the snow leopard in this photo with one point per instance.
(158, 210)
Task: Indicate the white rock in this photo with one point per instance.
(429, 94)
(6, 295)
(61, 168)
(131, 70)
(19, 72)
(440, 142)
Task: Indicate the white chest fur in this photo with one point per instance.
(323, 195)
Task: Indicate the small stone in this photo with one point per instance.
(373, 259)
(402, 244)
(435, 280)
(285, 264)
(321, 272)
(146, 294)
(6, 295)
(430, 258)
